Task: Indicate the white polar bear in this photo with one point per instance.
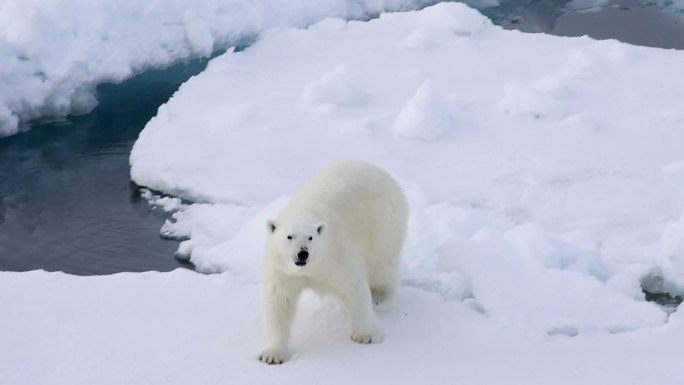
(341, 234)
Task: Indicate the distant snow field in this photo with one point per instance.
(54, 53)
(546, 182)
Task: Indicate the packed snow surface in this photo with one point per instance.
(183, 327)
(54, 53)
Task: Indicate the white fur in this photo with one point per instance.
(351, 218)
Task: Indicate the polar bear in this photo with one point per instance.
(341, 234)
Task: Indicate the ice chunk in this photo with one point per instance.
(582, 5)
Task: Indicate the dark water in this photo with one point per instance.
(66, 201)
(632, 21)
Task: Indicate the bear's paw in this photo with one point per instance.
(365, 338)
(273, 356)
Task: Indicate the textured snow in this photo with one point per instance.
(543, 189)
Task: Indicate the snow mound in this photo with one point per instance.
(425, 116)
(53, 54)
(541, 99)
(547, 212)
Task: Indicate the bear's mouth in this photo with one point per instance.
(300, 263)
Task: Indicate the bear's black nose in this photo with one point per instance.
(303, 255)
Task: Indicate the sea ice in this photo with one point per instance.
(543, 188)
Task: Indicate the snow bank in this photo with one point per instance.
(54, 53)
(186, 328)
(543, 188)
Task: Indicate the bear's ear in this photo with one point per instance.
(271, 225)
(320, 227)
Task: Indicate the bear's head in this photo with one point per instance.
(299, 243)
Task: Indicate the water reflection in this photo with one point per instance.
(66, 201)
(648, 23)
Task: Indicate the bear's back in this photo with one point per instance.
(362, 198)
(344, 184)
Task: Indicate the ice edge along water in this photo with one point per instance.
(54, 54)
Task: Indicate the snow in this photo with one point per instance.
(425, 116)
(566, 167)
(54, 53)
(335, 88)
(183, 327)
(546, 185)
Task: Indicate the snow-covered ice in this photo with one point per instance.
(54, 53)
(544, 188)
(546, 183)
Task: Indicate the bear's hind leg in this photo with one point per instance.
(382, 295)
(357, 297)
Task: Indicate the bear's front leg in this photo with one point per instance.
(280, 303)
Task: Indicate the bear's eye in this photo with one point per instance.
(310, 238)
(289, 237)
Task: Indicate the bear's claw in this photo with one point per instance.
(364, 338)
(272, 357)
